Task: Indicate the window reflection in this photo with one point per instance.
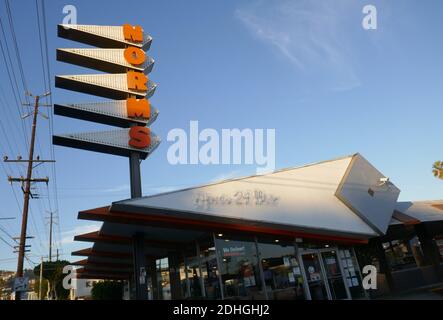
(281, 271)
(239, 268)
(210, 273)
(403, 253)
(163, 281)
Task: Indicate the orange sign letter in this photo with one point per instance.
(138, 108)
(134, 34)
(134, 56)
(137, 81)
(140, 137)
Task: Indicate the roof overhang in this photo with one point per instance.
(190, 221)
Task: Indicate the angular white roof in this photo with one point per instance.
(424, 211)
(342, 195)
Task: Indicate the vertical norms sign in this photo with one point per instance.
(121, 55)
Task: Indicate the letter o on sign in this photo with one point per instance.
(134, 56)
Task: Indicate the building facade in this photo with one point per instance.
(298, 233)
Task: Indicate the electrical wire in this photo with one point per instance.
(43, 37)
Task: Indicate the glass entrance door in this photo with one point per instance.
(324, 275)
(337, 287)
(314, 276)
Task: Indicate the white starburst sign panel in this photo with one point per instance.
(106, 60)
(107, 112)
(101, 36)
(111, 141)
(112, 86)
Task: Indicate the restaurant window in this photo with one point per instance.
(400, 255)
(194, 279)
(192, 270)
(281, 270)
(183, 280)
(439, 243)
(199, 275)
(209, 269)
(163, 283)
(240, 272)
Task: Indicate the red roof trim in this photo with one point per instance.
(103, 214)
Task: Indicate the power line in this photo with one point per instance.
(7, 233)
(11, 75)
(47, 77)
(26, 187)
(19, 207)
(17, 52)
(26, 257)
(6, 242)
(4, 121)
(7, 259)
(15, 89)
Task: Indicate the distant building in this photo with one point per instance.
(81, 288)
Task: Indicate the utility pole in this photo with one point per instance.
(41, 280)
(26, 187)
(51, 222)
(50, 239)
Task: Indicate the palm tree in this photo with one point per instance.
(437, 169)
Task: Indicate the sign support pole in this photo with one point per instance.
(135, 175)
(139, 259)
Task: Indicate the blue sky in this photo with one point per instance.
(304, 68)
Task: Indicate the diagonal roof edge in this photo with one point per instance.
(240, 178)
(347, 203)
(355, 157)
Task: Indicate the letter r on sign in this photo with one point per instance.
(137, 81)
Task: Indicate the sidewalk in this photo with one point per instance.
(435, 293)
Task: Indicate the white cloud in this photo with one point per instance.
(312, 35)
(160, 189)
(68, 236)
(120, 188)
(226, 176)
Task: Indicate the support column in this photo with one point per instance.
(188, 283)
(219, 268)
(152, 271)
(174, 276)
(140, 267)
(384, 265)
(260, 266)
(202, 281)
(135, 175)
(131, 286)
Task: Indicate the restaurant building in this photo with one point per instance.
(297, 233)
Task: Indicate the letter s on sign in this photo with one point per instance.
(140, 137)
